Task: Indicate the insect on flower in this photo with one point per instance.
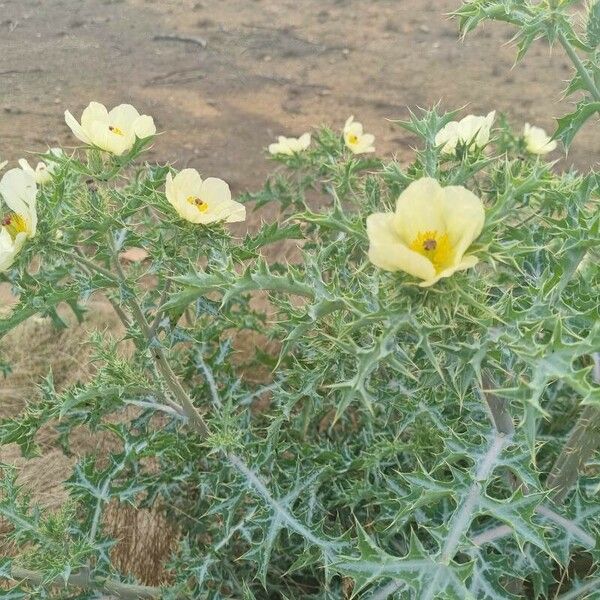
(429, 233)
(114, 131)
(202, 201)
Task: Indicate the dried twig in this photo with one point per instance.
(178, 38)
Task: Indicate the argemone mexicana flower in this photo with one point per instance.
(429, 233)
(18, 191)
(289, 146)
(43, 171)
(470, 130)
(537, 140)
(354, 138)
(113, 131)
(202, 201)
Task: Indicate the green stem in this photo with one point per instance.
(581, 69)
(579, 448)
(85, 581)
(461, 521)
(587, 588)
(158, 354)
(162, 364)
(156, 349)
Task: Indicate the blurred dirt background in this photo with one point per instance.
(222, 78)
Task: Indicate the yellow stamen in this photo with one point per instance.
(352, 139)
(435, 247)
(15, 224)
(115, 130)
(198, 203)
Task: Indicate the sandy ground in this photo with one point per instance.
(239, 73)
(269, 67)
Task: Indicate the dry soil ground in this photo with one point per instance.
(267, 67)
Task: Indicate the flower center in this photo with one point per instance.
(115, 130)
(352, 139)
(198, 203)
(435, 247)
(14, 224)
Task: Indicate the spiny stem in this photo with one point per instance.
(461, 521)
(85, 581)
(579, 448)
(581, 69)
(157, 352)
(159, 313)
(499, 411)
(98, 512)
(581, 445)
(162, 364)
(496, 533)
(592, 586)
(197, 422)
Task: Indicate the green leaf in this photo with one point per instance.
(570, 124)
(593, 25)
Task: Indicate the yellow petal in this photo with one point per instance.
(92, 113)
(280, 148)
(25, 165)
(448, 137)
(178, 189)
(215, 191)
(237, 212)
(466, 263)
(387, 251)
(419, 209)
(9, 248)
(144, 127)
(76, 128)
(123, 117)
(229, 212)
(187, 183)
(105, 139)
(304, 141)
(463, 215)
(19, 191)
(170, 189)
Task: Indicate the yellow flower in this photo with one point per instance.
(113, 131)
(289, 146)
(537, 140)
(357, 141)
(470, 130)
(3, 164)
(201, 201)
(19, 191)
(429, 233)
(43, 171)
